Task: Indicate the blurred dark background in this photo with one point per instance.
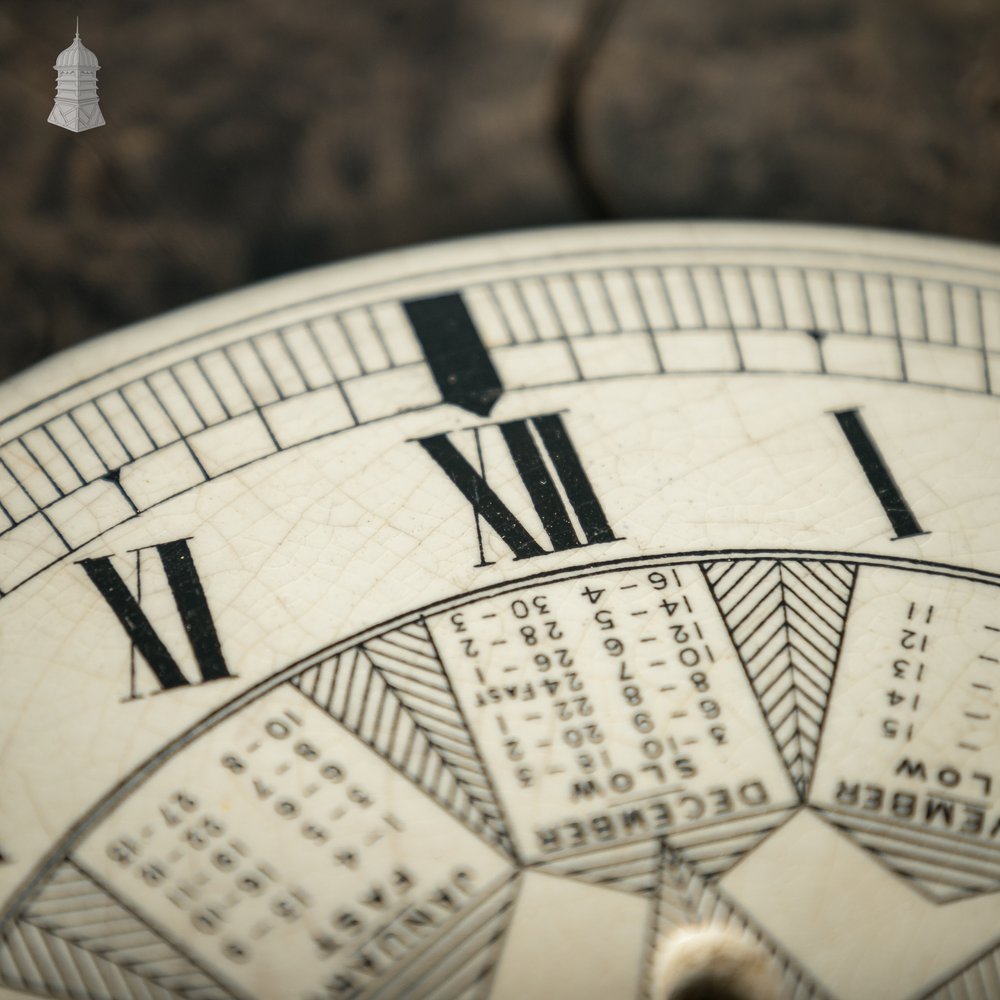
(248, 138)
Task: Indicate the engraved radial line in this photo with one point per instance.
(85, 437)
(34, 459)
(187, 396)
(459, 362)
(200, 365)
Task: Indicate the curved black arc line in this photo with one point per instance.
(582, 253)
(129, 782)
(714, 373)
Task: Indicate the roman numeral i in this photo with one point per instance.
(192, 607)
(540, 478)
(876, 471)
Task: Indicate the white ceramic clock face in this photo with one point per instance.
(459, 622)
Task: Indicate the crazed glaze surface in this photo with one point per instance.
(459, 622)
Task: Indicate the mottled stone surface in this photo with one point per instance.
(879, 113)
(248, 138)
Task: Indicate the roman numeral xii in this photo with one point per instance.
(550, 470)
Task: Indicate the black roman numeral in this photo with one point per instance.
(192, 606)
(879, 477)
(519, 436)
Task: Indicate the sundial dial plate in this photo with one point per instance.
(459, 622)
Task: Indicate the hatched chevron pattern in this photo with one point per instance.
(685, 898)
(629, 867)
(714, 848)
(459, 964)
(939, 865)
(710, 850)
(980, 980)
(392, 692)
(75, 940)
(786, 618)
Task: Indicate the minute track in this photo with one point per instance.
(117, 436)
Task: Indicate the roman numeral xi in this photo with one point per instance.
(192, 607)
(541, 480)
